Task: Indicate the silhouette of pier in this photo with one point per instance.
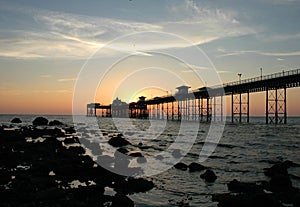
(207, 103)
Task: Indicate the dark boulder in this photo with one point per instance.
(181, 166)
(246, 200)
(196, 167)
(296, 200)
(280, 183)
(71, 140)
(118, 142)
(40, 121)
(70, 130)
(133, 185)
(209, 176)
(121, 200)
(123, 150)
(242, 187)
(16, 121)
(78, 150)
(55, 123)
(279, 168)
(136, 154)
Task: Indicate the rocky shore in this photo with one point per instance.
(46, 166)
(276, 191)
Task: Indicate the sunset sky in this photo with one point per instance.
(49, 49)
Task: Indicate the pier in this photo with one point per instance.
(206, 103)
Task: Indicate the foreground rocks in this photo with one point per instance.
(40, 121)
(277, 192)
(37, 169)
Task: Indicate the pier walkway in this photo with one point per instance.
(207, 103)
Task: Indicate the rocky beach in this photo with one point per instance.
(45, 164)
(40, 166)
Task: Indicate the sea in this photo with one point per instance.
(242, 152)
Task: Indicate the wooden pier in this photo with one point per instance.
(206, 104)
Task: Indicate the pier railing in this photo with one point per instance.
(263, 78)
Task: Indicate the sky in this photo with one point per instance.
(55, 55)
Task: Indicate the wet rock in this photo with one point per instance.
(209, 176)
(246, 200)
(196, 167)
(55, 123)
(40, 121)
(122, 150)
(71, 140)
(70, 130)
(121, 200)
(50, 194)
(278, 168)
(77, 150)
(118, 142)
(16, 121)
(181, 166)
(242, 187)
(296, 200)
(133, 185)
(280, 183)
(136, 154)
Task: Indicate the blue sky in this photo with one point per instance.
(43, 44)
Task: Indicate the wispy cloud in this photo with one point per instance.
(66, 79)
(243, 52)
(65, 35)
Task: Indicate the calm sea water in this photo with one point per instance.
(244, 150)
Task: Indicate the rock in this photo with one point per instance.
(278, 168)
(196, 167)
(118, 142)
(136, 154)
(209, 176)
(246, 200)
(77, 150)
(16, 121)
(181, 166)
(296, 200)
(50, 194)
(123, 150)
(121, 200)
(241, 187)
(280, 183)
(133, 185)
(55, 123)
(71, 140)
(40, 121)
(70, 130)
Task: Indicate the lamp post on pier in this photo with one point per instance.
(261, 73)
(240, 77)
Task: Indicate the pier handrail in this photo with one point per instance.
(265, 77)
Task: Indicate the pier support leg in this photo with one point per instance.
(240, 107)
(276, 112)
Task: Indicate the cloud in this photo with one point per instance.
(282, 37)
(242, 52)
(66, 79)
(280, 2)
(65, 35)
